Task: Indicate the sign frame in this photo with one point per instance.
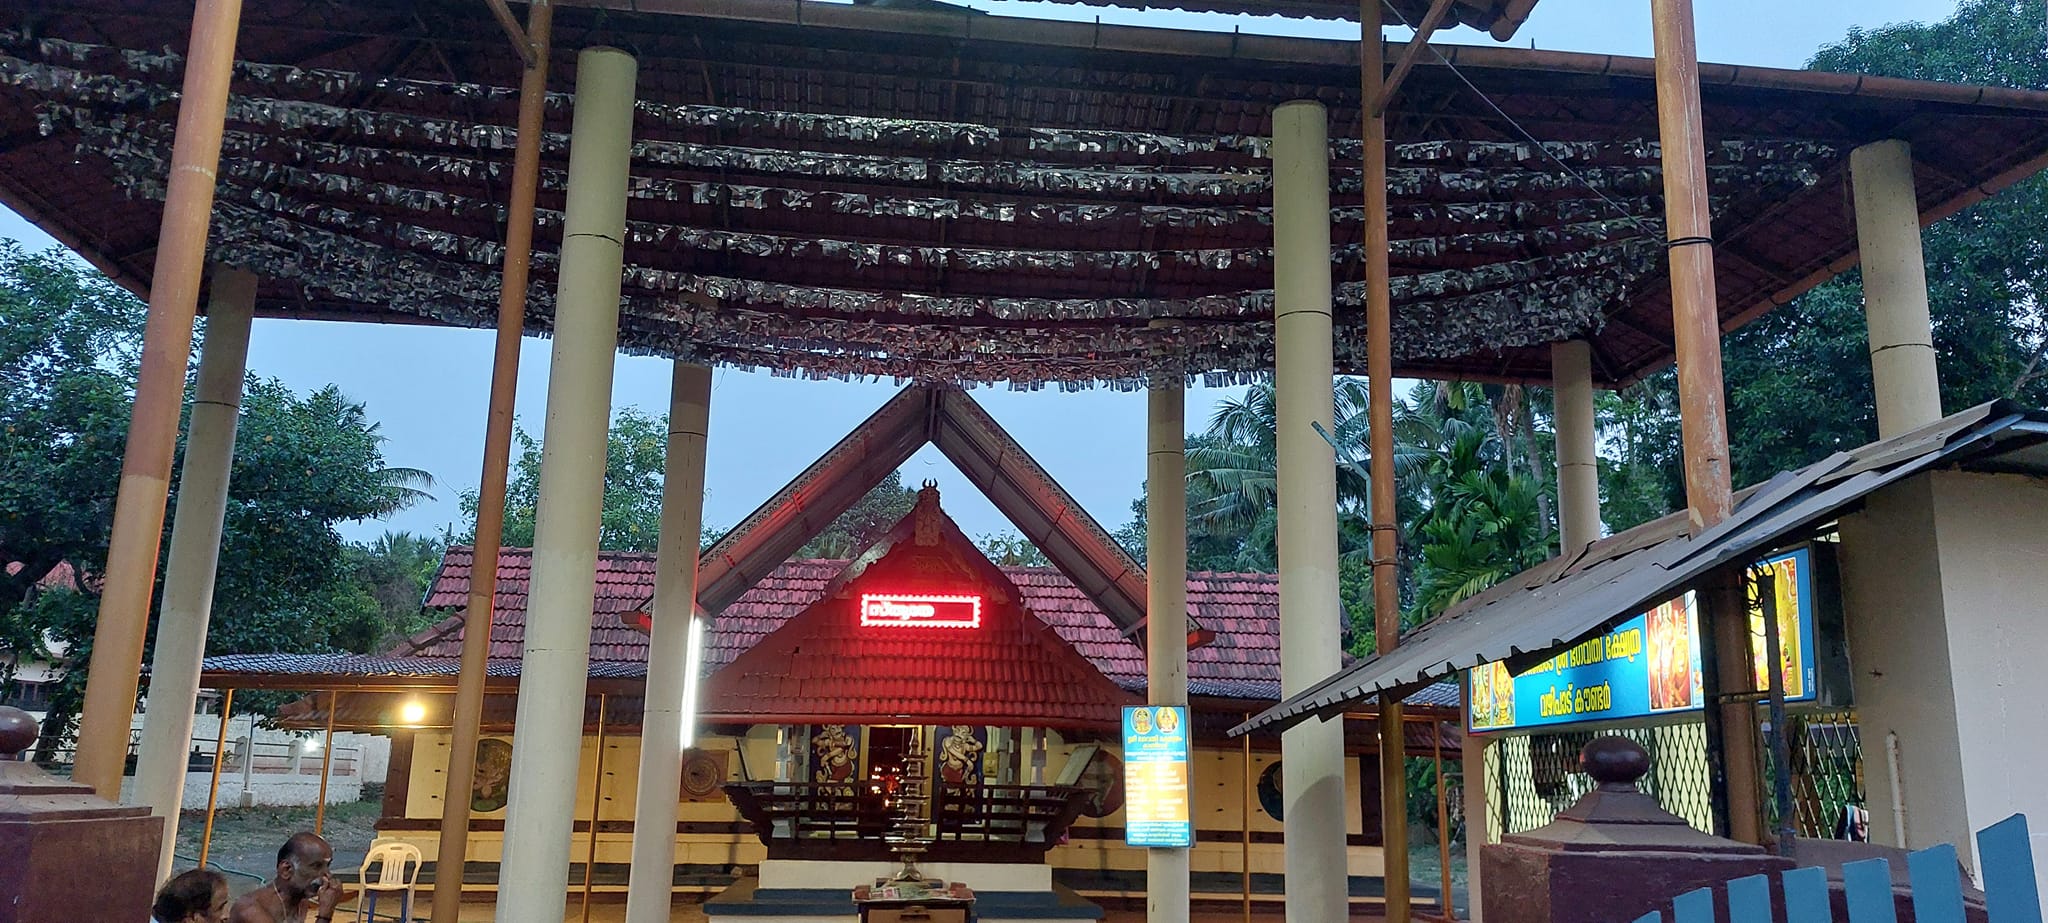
(1648, 667)
(1158, 777)
(906, 606)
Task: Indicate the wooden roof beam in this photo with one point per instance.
(1409, 54)
(513, 31)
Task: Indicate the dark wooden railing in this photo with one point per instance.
(988, 823)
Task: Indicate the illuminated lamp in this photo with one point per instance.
(895, 610)
(693, 666)
(412, 712)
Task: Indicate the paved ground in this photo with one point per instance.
(245, 842)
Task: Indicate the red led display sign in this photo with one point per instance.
(901, 611)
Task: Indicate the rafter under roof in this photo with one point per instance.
(841, 191)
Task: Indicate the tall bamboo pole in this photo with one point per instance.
(452, 851)
(1245, 842)
(116, 666)
(227, 713)
(596, 808)
(1379, 370)
(1702, 402)
(1443, 824)
(326, 762)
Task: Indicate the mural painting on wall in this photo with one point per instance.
(493, 780)
(959, 756)
(835, 752)
(1270, 792)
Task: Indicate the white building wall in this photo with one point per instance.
(1945, 583)
(283, 767)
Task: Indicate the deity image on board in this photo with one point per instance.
(960, 755)
(1169, 720)
(835, 753)
(1672, 677)
(1785, 586)
(492, 783)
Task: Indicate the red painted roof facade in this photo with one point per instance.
(824, 665)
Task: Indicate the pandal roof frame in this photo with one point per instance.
(836, 191)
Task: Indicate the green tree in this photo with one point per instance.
(870, 517)
(635, 452)
(1799, 385)
(1009, 549)
(69, 340)
(394, 569)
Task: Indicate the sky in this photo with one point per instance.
(427, 387)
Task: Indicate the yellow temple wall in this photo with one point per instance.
(1219, 799)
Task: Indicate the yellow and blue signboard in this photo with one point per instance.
(1649, 665)
(1156, 768)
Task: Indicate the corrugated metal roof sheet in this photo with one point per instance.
(1561, 601)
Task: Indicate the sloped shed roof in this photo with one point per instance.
(1564, 600)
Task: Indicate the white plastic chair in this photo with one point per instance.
(398, 864)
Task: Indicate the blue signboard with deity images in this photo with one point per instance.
(1156, 767)
(1649, 665)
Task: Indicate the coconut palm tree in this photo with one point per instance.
(399, 489)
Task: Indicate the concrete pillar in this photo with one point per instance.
(1578, 459)
(1894, 287)
(650, 883)
(1166, 607)
(1312, 753)
(534, 874)
(1942, 577)
(195, 550)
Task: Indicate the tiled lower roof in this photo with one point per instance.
(1242, 609)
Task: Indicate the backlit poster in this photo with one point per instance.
(1156, 767)
(1648, 665)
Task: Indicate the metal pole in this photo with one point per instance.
(1781, 752)
(1717, 748)
(130, 577)
(1379, 370)
(1443, 825)
(596, 805)
(326, 762)
(452, 850)
(227, 712)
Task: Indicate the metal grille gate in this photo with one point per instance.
(1529, 778)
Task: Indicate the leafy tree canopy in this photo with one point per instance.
(69, 343)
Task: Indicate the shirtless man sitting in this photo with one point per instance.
(304, 891)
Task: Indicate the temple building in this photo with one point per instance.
(841, 699)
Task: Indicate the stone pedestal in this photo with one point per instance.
(1615, 855)
(53, 830)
